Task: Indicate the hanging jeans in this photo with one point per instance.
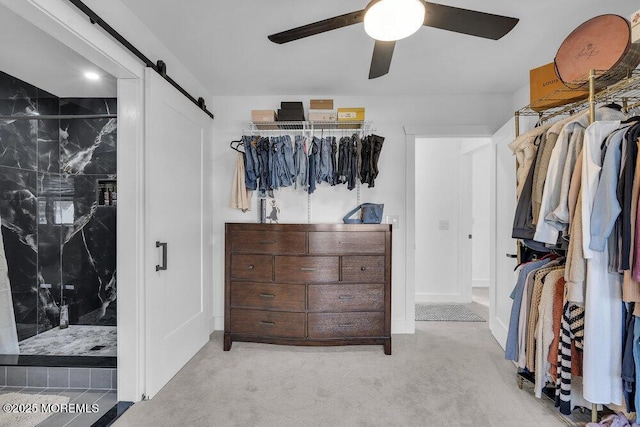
(354, 156)
(289, 163)
(325, 172)
(264, 181)
(301, 162)
(251, 166)
(314, 156)
(334, 166)
(343, 160)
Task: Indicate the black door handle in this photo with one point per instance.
(512, 256)
(164, 256)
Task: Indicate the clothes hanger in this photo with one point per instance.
(237, 146)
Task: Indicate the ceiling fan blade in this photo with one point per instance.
(381, 60)
(318, 27)
(467, 21)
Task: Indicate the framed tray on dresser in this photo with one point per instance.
(308, 284)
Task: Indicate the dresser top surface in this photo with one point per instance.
(239, 226)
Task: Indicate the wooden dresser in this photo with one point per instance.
(308, 284)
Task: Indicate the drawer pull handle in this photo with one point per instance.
(267, 295)
(251, 266)
(346, 325)
(345, 297)
(262, 322)
(308, 269)
(267, 242)
(347, 243)
(363, 268)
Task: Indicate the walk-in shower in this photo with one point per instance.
(58, 203)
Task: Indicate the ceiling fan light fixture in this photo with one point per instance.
(391, 20)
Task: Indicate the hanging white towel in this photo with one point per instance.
(240, 197)
(8, 331)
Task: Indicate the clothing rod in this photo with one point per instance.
(159, 67)
(59, 116)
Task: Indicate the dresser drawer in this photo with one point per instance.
(334, 325)
(307, 269)
(252, 267)
(268, 323)
(284, 242)
(346, 242)
(268, 296)
(363, 269)
(346, 297)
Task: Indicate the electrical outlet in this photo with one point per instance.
(443, 225)
(393, 220)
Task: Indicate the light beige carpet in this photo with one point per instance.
(28, 410)
(447, 374)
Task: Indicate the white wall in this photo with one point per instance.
(389, 116)
(438, 224)
(443, 217)
(480, 244)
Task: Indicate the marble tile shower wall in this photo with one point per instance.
(55, 232)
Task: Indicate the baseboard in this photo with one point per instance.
(480, 283)
(499, 331)
(440, 298)
(402, 327)
(218, 323)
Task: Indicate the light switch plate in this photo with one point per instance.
(443, 225)
(394, 220)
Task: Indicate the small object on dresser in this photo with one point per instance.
(370, 213)
(263, 211)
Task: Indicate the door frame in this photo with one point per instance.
(63, 22)
(413, 132)
(466, 212)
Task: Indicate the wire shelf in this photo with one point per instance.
(306, 126)
(626, 93)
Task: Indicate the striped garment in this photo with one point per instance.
(572, 330)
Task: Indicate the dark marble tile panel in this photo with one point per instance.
(16, 96)
(18, 144)
(88, 146)
(89, 254)
(49, 146)
(3, 376)
(88, 106)
(47, 103)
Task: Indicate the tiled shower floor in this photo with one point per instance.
(76, 340)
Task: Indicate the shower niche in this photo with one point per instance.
(58, 198)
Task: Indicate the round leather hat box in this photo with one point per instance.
(603, 44)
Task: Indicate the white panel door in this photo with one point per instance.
(503, 205)
(176, 322)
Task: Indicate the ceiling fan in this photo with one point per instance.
(387, 21)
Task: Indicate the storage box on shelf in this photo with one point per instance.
(546, 90)
(347, 116)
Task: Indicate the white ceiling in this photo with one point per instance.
(225, 45)
(31, 55)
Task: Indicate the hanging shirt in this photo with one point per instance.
(603, 299)
(240, 196)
